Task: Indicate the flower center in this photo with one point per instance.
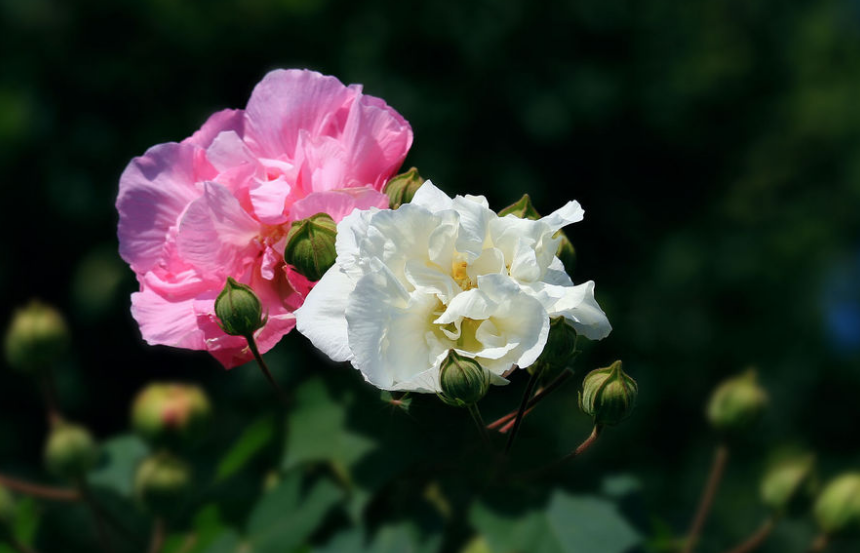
(460, 272)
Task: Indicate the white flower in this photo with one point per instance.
(439, 274)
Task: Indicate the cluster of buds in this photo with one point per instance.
(37, 338)
(608, 395)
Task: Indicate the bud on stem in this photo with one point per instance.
(837, 509)
(608, 395)
(239, 309)
(463, 380)
(737, 403)
(70, 451)
(402, 188)
(37, 337)
(311, 246)
(171, 415)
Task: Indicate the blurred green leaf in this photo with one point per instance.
(569, 524)
(120, 457)
(288, 515)
(252, 441)
(228, 542)
(206, 529)
(318, 429)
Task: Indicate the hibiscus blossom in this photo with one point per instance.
(441, 274)
(220, 203)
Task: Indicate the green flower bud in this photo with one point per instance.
(402, 188)
(608, 395)
(560, 347)
(70, 450)
(171, 415)
(837, 509)
(463, 380)
(161, 483)
(522, 208)
(789, 483)
(8, 510)
(37, 337)
(311, 246)
(239, 309)
(737, 403)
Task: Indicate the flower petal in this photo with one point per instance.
(322, 317)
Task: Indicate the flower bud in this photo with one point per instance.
(522, 208)
(171, 415)
(311, 246)
(608, 395)
(402, 188)
(737, 403)
(788, 483)
(837, 509)
(161, 483)
(463, 380)
(560, 348)
(8, 510)
(239, 309)
(37, 337)
(70, 451)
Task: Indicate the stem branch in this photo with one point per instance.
(479, 422)
(159, 531)
(505, 422)
(757, 538)
(717, 468)
(252, 344)
(38, 490)
(523, 405)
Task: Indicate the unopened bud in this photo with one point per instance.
(70, 451)
(311, 246)
(522, 208)
(161, 483)
(401, 188)
(737, 403)
(560, 348)
(37, 337)
(788, 484)
(239, 309)
(837, 509)
(8, 510)
(463, 380)
(608, 395)
(171, 415)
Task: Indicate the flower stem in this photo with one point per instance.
(718, 466)
(479, 422)
(757, 538)
(504, 423)
(159, 530)
(252, 344)
(521, 412)
(820, 544)
(49, 390)
(40, 491)
(101, 528)
(580, 449)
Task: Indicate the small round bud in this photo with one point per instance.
(463, 380)
(161, 483)
(239, 309)
(171, 415)
(8, 510)
(522, 208)
(737, 403)
(837, 509)
(37, 337)
(560, 346)
(402, 188)
(789, 483)
(311, 246)
(70, 451)
(608, 395)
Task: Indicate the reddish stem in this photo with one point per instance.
(37, 490)
(718, 466)
(539, 396)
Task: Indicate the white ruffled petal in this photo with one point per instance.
(322, 317)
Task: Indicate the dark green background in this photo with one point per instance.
(715, 146)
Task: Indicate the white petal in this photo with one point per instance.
(322, 317)
(429, 279)
(574, 303)
(474, 221)
(431, 198)
(571, 212)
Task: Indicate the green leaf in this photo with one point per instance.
(120, 457)
(568, 524)
(287, 516)
(228, 542)
(252, 441)
(318, 429)
(206, 528)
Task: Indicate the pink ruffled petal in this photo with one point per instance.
(338, 203)
(377, 139)
(154, 190)
(216, 234)
(218, 122)
(286, 101)
(269, 200)
(166, 322)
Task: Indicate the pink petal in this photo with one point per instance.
(218, 122)
(338, 203)
(269, 200)
(166, 322)
(216, 234)
(154, 190)
(286, 101)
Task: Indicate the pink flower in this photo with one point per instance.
(220, 203)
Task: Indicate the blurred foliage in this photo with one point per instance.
(715, 146)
